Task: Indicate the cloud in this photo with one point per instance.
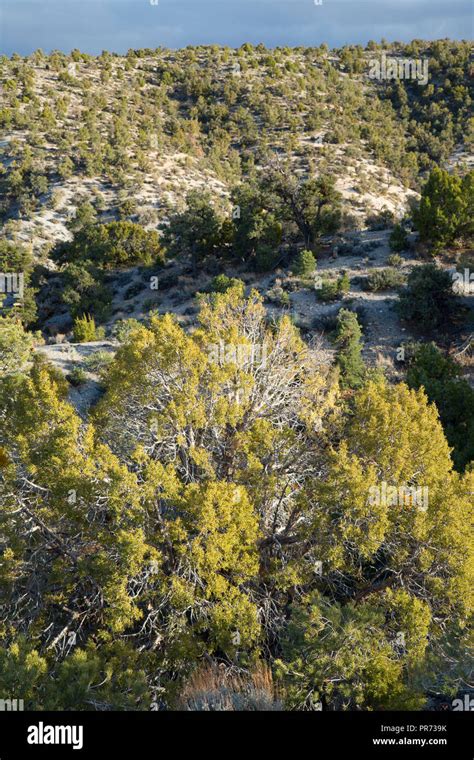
(116, 25)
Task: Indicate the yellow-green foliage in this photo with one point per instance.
(213, 507)
(85, 330)
(16, 346)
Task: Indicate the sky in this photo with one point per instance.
(117, 25)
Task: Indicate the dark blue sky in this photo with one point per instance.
(116, 25)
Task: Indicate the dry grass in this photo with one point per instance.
(214, 687)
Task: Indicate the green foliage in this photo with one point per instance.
(220, 496)
(428, 301)
(348, 341)
(257, 228)
(385, 279)
(96, 249)
(440, 377)
(157, 526)
(221, 283)
(395, 260)
(398, 240)
(305, 264)
(344, 652)
(112, 246)
(85, 330)
(77, 376)
(98, 361)
(332, 290)
(84, 290)
(278, 295)
(124, 328)
(196, 230)
(313, 206)
(85, 216)
(436, 114)
(344, 657)
(17, 260)
(446, 211)
(87, 679)
(16, 346)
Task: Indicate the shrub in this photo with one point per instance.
(221, 283)
(124, 328)
(398, 240)
(305, 264)
(380, 220)
(197, 230)
(84, 290)
(331, 290)
(85, 216)
(349, 344)
(16, 346)
(127, 208)
(112, 245)
(428, 299)
(98, 360)
(18, 260)
(440, 377)
(77, 376)
(395, 260)
(328, 291)
(266, 258)
(312, 205)
(446, 209)
(344, 284)
(384, 279)
(257, 229)
(85, 331)
(278, 296)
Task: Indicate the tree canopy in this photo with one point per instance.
(228, 503)
(446, 211)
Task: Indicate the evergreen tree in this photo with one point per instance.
(305, 264)
(196, 230)
(428, 301)
(446, 211)
(452, 394)
(398, 240)
(349, 349)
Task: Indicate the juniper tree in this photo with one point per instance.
(348, 340)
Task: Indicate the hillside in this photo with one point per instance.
(134, 135)
(236, 311)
